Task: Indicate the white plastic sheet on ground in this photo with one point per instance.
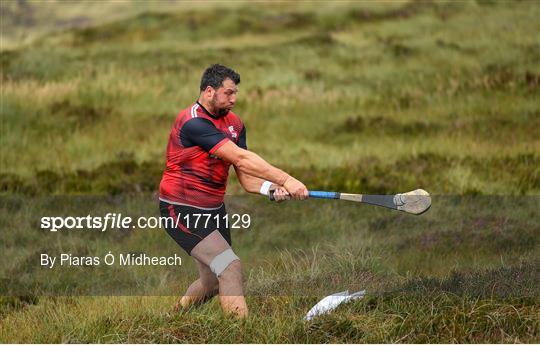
(331, 302)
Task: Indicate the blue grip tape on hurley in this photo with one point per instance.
(323, 195)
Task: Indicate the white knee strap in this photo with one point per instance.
(222, 261)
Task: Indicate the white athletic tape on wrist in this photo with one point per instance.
(222, 261)
(265, 187)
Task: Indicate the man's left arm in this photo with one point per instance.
(252, 184)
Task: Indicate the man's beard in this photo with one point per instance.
(222, 112)
(219, 112)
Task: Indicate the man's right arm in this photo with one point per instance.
(252, 164)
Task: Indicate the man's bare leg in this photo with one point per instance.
(231, 293)
(201, 290)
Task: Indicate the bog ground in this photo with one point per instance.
(359, 97)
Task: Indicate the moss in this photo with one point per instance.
(79, 114)
(386, 125)
(515, 282)
(405, 11)
(47, 181)
(7, 58)
(9, 304)
(12, 183)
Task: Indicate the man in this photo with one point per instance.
(207, 137)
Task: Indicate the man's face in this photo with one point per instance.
(224, 98)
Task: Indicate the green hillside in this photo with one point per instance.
(442, 95)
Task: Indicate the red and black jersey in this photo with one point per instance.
(193, 175)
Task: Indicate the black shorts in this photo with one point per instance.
(194, 224)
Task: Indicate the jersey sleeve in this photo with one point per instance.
(201, 132)
(242, 140)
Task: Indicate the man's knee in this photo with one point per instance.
(225, 262)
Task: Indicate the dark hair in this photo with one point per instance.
(215, 75)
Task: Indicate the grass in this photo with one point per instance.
(467, 271)
(375, 97)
